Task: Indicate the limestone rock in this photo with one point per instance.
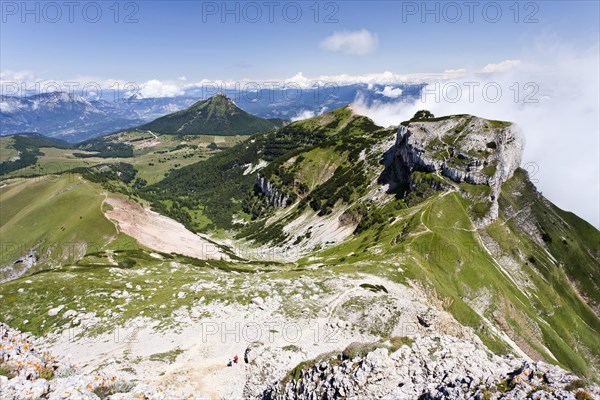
(434, 367)
(276, 198)
(461, 148)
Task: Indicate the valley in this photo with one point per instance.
(152, 155)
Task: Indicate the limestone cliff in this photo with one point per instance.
(462, 148)
(276, 197)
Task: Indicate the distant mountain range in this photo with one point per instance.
(74, 118)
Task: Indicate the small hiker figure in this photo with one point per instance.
(235, 359)
(229, 363)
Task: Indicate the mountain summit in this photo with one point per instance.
(217, 115)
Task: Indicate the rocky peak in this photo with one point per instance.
(220, 98)
(462, 148)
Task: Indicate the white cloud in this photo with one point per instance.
(156, 88)
(305, 114)
(390, 92)
(300, 80)
(561, 128)
(455, 72)
(501, 66)
(359, 42)
(17, 76)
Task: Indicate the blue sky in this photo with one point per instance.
(171, 39)
(552, 44)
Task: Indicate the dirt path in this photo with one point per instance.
(158, 232)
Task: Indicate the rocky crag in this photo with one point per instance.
(276, 197)
(429, 367)
(461, 148)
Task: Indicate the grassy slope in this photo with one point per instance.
(7, 150)
(60, 214)
(565, 268)
(574, 243)
(28, 148)
(436, 245)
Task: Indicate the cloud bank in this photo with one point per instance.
(24, 82)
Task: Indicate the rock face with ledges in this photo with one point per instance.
(462, 148)
(277, 198)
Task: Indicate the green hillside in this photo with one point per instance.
(216, 116)
(219, 188)
(152, 156)
(57, 217)
(25, 150)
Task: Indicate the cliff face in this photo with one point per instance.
(461, 148)
(276, 198)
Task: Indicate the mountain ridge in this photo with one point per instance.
(321, 187)
(331, 220)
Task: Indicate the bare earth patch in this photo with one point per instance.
(158, 232)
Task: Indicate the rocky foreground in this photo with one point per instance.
(427, 367)
(27, 372)
(432, 367)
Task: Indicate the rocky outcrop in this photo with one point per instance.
(19, 267)
(29, 372)
(461, 148)
(276, 197)
(433, 367)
